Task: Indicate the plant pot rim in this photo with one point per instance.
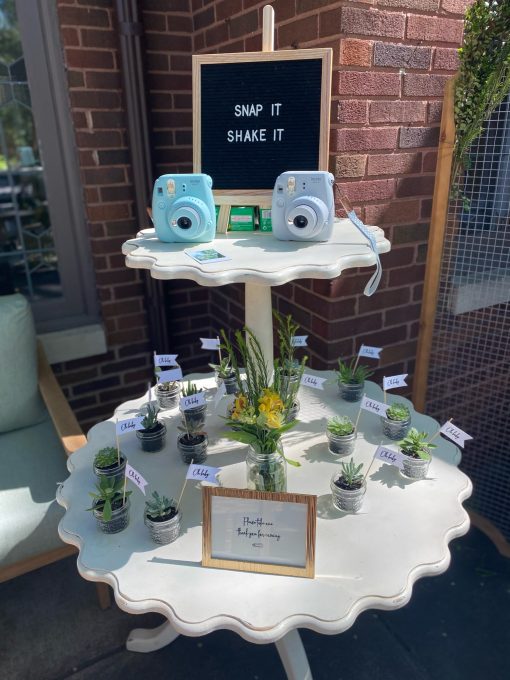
(153, 430)
(112, 468)
(98, 513)
(163, 522)
(185, 434)
(338, 475)
(340, 436)
(411, 457)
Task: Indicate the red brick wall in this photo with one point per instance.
(91, 56)
(384, 133)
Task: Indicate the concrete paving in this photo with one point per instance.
(456, 627)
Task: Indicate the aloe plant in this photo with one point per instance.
(107, 493)
(350, 374)
(351, 474)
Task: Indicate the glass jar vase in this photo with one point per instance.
(266, 471)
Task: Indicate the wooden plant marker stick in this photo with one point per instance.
(439, 431)
(219, 347)
(370, 466)
(183, 487)
(359, 416)
(117, 439)
(384, 390)
(356, 363)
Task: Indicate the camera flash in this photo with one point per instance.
(291, 184)
(170, 187)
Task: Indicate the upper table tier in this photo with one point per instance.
(255, 257)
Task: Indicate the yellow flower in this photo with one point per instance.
(270, 401)
(274, 420)
(240, 403)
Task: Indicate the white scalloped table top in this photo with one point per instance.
(255, 257)
(365, 560)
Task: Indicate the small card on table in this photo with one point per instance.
(207, 256)
(272, 533)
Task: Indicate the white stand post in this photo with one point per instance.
(293, 657)
(259, 317)
(151, 639)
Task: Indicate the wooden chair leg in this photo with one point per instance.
(103, 595)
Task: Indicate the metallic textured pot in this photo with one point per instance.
(168, 399)
(341, 445)
(195, 453)
(231, 386)
(118, 522)
(152, 440)
(114, 473)
(293, 411)
(164, 532)
(346, 499)
(351, 392)
(414, 468)
(395, 429)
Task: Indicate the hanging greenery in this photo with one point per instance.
(484, 74)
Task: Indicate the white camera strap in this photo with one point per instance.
(375, 279)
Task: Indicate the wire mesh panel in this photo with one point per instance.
(469, 363)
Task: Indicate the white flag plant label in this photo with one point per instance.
(193, 401)
(136, 478)
(455, 434)
(210, 343)
(394, 381)
(203, 473)
(220, 393)
(371, 352)
(377, 407)
(299, 340)
(312, 381)
(129, 425)
(388, 456)
(170, 376)
(165, 359)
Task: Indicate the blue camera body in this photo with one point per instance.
(183, 208)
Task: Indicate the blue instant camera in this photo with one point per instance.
(183, 208)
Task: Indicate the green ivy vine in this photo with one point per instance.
(484, 75)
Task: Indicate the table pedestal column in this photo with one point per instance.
(293, 656)
(151, 639)
(259, 317)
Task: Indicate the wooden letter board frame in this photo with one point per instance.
(308, 571)
(249, 196)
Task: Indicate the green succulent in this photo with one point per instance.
(107, 492)
(348, 375)
(398, 411)
(190, 389)
(341, 426)
(167, 386)
(159, 506)
(223, 369)
(150, 418)
(416, 444)
(106, 457)
(351, 473)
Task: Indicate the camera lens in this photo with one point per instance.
(300, 221)
(184, 223)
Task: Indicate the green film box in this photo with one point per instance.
(217, 208)
(265, 219)
(242, 218)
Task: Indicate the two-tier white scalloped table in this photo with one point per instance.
(365, 560)
(259, 261)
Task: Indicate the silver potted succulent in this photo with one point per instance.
(163, 519)
(348, 487)
(110, 463)
(194, 418)
(152, 436)
(110, 505)
(167, 394)
(225, 374)
(341, 435)
(351, 379)
(416, 450)
(396, 422)
(288, 371)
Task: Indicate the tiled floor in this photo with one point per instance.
(456, 627)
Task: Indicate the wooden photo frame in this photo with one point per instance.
(258, 114)
(272, 533)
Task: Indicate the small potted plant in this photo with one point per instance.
(152, 436)
(110, 463)
(395, 423)
(163, 519)
(416, 450)
(341, 435)
(351, 379)
(194, 418)
(288, 371)
(224, 373)
(192, 445)
(110, 505)
(348, 487)
(167, 394)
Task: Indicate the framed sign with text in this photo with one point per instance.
(272, 533)
(258, 114)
